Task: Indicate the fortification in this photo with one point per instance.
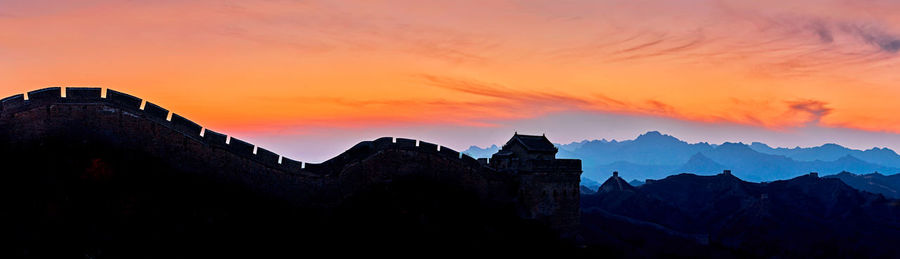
(548, 187)
(526, 175)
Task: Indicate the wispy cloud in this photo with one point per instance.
(811, 111)
(875, 36)
(529, 104)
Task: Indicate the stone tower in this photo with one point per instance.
(548, 188)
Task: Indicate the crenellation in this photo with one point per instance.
(125, 100)
(383, 142)
(214, 138)
(449, 152)
(155, 111)
(240, 147)
(186, 126)
(405, 143)
(82, 94)
(12, 102)
(181, 138)
(290, 165)
(265, 156)
(427, 147)
(45, 96)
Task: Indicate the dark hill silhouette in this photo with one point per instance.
(117, 177)
(888, 185)
(805, 216)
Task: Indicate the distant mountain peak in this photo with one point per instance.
(735, 147)
(699, 163)
(615, 183)
(657, 138)
(653, 132)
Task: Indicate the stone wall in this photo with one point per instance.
(88, 115)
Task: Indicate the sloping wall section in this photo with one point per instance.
(109, 117)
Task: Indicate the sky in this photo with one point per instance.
(308, 79)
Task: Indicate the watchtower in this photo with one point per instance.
(548, 187)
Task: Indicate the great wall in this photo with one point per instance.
(541, 190)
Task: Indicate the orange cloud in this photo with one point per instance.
(289, 66)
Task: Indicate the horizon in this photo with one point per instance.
(700, 142)
(310, 79)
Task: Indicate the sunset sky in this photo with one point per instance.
(308, 79)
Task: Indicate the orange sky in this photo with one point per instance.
(266, 67)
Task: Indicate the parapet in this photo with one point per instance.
(427, 146)
(45, 96)
(125, 100)
(214, 138)
(240, 147)
(180, 124)
(265, 156)
(405, 143)
(448, 152)
(156, 112)
(290, 165)
(75, 94)
(383, 142)
(186, 126)
(12, 102)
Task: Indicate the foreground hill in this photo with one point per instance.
(87, 176)
(722, 215)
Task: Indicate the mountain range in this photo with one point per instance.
(688, 215)
(654, 155)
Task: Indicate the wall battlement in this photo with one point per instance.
(151, 111)
(120, 118)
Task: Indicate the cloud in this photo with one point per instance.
(328, 26)
(809, 111)
(533, 98)
(875, 36)
(821, 29)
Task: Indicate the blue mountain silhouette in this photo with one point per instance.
(654, 155)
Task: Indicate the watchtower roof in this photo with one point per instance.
(533, 143)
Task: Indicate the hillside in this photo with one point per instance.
(117, 177)
(724, 216)
(888, 185)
